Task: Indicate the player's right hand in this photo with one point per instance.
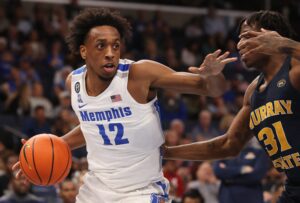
(213, 64)
(16, 167)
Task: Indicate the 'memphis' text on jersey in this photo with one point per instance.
(112, 113)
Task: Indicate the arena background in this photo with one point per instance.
(34, 62)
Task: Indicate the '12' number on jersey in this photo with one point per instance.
(118, 127)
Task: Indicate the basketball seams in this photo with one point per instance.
(34, 166)
(52, 165)
(24, 171)
(67, 166)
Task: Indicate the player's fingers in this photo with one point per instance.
(249, 34)
(216, 53)
(264, 30)
(223, 56)
(19, 174)
(23, 141)
(243, 51)
(243, 43)
(240, 44)
(229, 60)
(16, 166)
(194, 70)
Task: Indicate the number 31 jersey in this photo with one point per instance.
(123, 137)
(275, 120)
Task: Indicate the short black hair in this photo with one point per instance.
(270, 20)
(194, 194)
(92, 17)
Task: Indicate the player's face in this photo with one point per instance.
(254, 60)
(101, 51)
(68, 192)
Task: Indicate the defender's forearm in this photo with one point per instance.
(291, 47)
(74, 138)
(217, 148)
(216, 85)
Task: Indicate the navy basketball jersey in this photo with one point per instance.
(275, 121)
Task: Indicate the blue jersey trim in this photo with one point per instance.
(123, 67)
(79, 70)
(165, 189)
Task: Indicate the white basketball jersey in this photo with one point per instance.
(122, 136)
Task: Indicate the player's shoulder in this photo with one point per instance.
(141, 64)
(79, 70)
(143, 67)
(150, 66)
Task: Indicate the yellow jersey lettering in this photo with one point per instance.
(263, 112)
(295, 158)
(287, 105)
(251, 126)
(287, 159)
(278, 108)
(270, 111)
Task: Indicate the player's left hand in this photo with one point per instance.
(213, 64)
(264, 42)
(16, 167)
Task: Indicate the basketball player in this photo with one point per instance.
(115, 101)
(271, 110)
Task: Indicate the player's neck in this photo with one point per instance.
(94, 85)
(273, 65)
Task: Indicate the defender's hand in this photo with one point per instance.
(16, 167)
(264, 42)
(213, 64)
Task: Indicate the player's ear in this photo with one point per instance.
(82, 50)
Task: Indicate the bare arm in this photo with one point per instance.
(291, 47)
(74, 138)
(225, 146)
(268, 42)
(204, 80)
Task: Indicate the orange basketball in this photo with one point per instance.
(45, 159)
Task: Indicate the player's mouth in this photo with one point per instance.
(109, 67)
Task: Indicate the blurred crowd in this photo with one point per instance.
(35, 61)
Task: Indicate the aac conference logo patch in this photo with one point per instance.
(281, 83)
(77, 87)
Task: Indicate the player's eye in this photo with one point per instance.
(100, 46)
(116, 46)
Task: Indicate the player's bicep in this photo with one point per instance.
(161, 76)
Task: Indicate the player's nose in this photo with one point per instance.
(109, 53)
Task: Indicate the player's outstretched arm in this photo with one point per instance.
(225, 146)
(268, 42)
(205, 80)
